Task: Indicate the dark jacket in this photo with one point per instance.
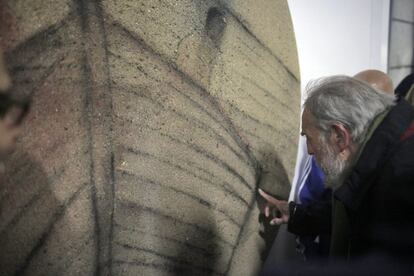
(378, 196)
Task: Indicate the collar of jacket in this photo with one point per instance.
(375, 153)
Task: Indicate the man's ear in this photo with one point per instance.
(340, 136)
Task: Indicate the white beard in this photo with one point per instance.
(334, 168)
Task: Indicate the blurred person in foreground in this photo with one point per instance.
(12, 112)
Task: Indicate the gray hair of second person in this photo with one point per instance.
(345, 100)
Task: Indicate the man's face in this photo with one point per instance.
(324, 150)
(312, 134)
(10, 129)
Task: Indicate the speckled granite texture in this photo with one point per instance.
(153, 123)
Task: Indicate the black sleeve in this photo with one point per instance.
(312, 219)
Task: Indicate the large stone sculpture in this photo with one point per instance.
(153, 123)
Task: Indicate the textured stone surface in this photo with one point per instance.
(153, 123)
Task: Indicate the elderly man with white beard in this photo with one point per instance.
(364, 142)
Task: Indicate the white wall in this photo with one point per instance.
(340, 36)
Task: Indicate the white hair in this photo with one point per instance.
(345, 100)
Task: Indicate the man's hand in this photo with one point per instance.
(281, 205)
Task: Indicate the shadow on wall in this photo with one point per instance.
(30, 215)
(25, 190)
(272, 173)
(209, 245)
(151, 240)
(37, 232)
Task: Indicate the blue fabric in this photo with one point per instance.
(314, 189)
